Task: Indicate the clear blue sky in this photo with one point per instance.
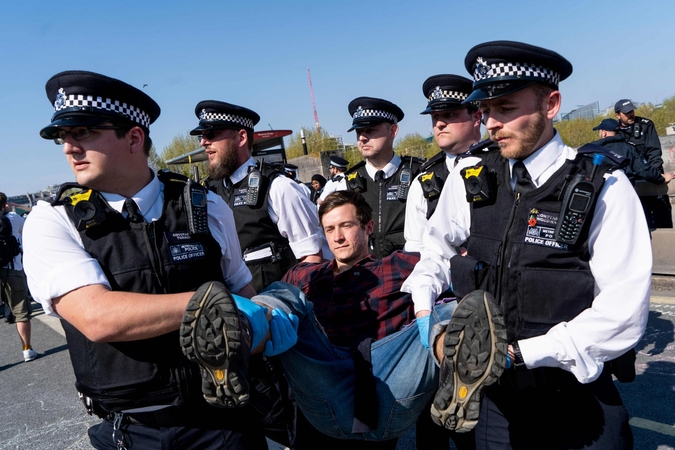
(256, 54)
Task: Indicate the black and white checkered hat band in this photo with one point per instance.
(440, 94)
(220, 117)
(515, 71)
(87, 101)
(365, 114)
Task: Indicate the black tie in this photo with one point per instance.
(379, 175)
(133, 214)
(523, 181)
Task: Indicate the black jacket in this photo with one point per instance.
(638, 167)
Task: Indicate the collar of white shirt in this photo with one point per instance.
(145, 199)
(389, 169)
(545, 161)
(242, 171)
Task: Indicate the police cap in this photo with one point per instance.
(338, 162)
(82, 98)
(607, 125)
(215, 115)
(502, 67)
(368, 112)
(446, 92)
(624, 106)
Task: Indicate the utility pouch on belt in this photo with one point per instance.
(468, 274)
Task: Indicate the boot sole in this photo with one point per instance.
(474, 351)
(211, 337)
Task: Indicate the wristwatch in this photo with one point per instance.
(518, 364)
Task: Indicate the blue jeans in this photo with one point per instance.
(323, 379)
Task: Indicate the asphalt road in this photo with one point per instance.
(39, 408)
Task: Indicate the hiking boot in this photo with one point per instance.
(217, 336)
(474, 356)
(29, 355)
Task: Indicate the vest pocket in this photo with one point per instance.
(468, 274)
(547, 297)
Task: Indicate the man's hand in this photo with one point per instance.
(284, 333)
(423, 326)
(668, 177)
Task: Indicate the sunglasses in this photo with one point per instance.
(212, 133)
(80, 133)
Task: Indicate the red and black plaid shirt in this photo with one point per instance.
(363, 302)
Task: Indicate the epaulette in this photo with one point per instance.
(645, 120)
(438, 157)
(481, 147)
(355, 167)
(617, 160)
(67, 190)
(414, 159)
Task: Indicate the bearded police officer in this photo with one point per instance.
(456, 127)
(117, 257)
(558, 238)
(276, 221)
(641, 132)
(384, 178)
(337, 182)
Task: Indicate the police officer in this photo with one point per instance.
(637, 167)
(117, 257)
(384, 178)
(456, 127)
(276, 221)
(558, 290)
(641, 132)
(337, 167)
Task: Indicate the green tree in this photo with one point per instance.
(180, 145)
(662, 117)
(415, 145)
(578, 132)
(317, 142)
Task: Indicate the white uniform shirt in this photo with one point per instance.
(621, 262)
(333, 186)
(417, 206)
(292, 211)
(17, 231)
(56, 262)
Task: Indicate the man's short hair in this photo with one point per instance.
(3, 200)
(124, 129)
(364, 213)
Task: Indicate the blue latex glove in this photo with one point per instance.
(257, 316)
(284, 331)
(423, 328)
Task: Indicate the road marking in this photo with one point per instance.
(652, 426)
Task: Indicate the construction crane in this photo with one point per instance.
(311, 91)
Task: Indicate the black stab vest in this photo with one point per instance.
(538, 281)
(437, 169)
(255, 228)
(152, 258)
(388, 210)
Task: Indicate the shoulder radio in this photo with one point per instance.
(253, 187)
(404, 180)
(194, 196)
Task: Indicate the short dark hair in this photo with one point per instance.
(3, 200)
(124, 129)
(541, 91)
(472, 107)
(364, 212)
